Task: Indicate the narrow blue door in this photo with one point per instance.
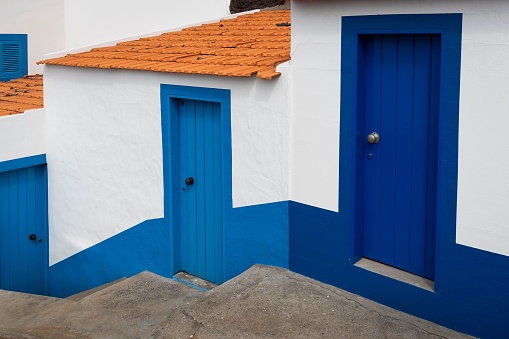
(399, 79)
(23, 230)
(201, 196)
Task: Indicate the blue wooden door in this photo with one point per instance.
(23, 230)
(201, 195)
(399, 79)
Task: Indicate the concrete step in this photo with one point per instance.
(263, 302)
(126, 309)
(270, 302)
(81, 295)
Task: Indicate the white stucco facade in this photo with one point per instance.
(23, 135)
(95, 21)
(483, 184)
(104, 148)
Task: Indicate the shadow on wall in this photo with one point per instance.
(237, 6)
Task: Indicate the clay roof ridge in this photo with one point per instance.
(231, 47)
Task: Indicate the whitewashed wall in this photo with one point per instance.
(89, 22)
(42, 20)
(483, 191)
(104, 148)
(23, 135)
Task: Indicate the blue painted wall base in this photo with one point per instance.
(471, 296)
(143, 247)
(256, 235)
(252, 235)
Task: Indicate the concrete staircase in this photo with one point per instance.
(127, 308)
(263, 302)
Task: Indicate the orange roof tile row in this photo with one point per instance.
(247, 45)
(19, 95)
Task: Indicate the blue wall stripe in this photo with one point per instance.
(143, 247)
(253, 235)
(473, 299)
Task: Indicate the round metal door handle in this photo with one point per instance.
(32, 236)
(373, 138)
(189, 181)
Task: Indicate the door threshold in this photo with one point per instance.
(194, 281)
(395, 273)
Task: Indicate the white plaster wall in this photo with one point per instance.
(483, 191)
(23, 135)
(104, 148)
(94, 21)
(42, 20)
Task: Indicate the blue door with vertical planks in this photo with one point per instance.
(398, 106)
(201, 193)
(23, 230)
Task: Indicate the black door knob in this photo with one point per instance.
(189, 181)
(32, 236)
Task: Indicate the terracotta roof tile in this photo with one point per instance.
(19, 95)
(251, 44)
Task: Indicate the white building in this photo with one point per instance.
(367, 161)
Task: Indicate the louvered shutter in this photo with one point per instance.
(13, 56)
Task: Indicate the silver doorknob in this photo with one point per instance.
(373, 138)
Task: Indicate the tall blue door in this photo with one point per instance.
(398, 103)
(201, 194)
(23, 230)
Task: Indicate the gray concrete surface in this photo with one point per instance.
(263, 302)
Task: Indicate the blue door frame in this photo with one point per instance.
(172, 97)
(24, 225)
(448, 28)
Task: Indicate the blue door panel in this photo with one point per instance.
(403, 168)
(23, 211)
(210, 195)
(200, 188)
(201, 202)
(400, 93)
(217, 218)
(373, 97)
(388, 148)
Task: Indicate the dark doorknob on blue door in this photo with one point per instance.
(189, 181)
(32, 236)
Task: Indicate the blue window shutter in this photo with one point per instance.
(13, 56)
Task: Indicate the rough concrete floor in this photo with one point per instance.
(263, 302)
